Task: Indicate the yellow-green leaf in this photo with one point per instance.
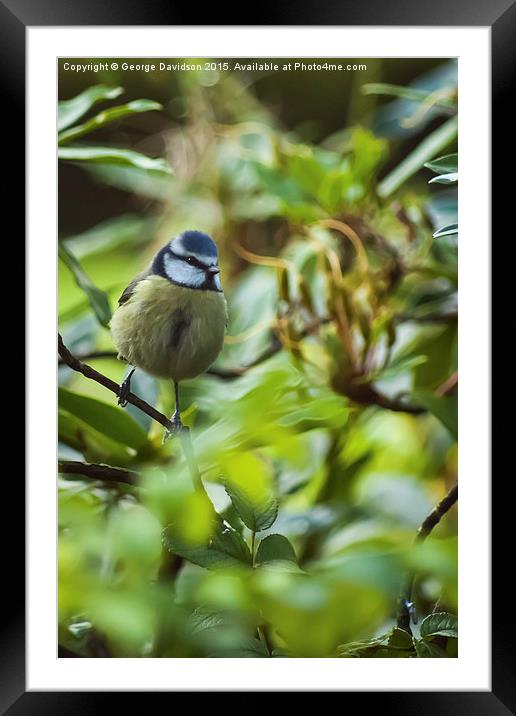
(113, 155)
(249, 486)
(97, 298)
(106, 116)
(107, 419)
(70, 110)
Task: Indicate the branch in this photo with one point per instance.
(89, 372)
(223, 373)
(433, 519)
(363, 394)
(448, 385)
(437, 514)
(93, 355)
(230, 373)
(106, 473)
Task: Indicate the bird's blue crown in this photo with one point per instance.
(195, 243)
(189, 260)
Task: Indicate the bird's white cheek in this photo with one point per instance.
(183, 273)
(217, 282)
(193, 276)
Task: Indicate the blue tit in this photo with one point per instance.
(171, 318)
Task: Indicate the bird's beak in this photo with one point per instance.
(214, 270)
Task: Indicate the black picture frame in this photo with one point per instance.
(15, 17)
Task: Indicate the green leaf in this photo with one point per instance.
(444, 165)
(451, 178)
(113, 155)
(432, 144)
(401, 364)
(411, 94)
(151, 185)
(442, 208)
(250, 648)
(107, 116)
(97, 298)
(363, 648)
(450, 230)
(92, 445)
(70, 110)
(125, 231)
(203, 618)
(440, 624)
(400, 639)
(275, 547)
(436, 343)
(256, 515)
(248, 486)
(109, 420)
(445, 409)
(427, 650)
(330, 411)
(396, 644)
(225, 549)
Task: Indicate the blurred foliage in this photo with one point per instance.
(327, 429)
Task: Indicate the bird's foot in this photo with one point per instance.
(176, 429)
(411, 609)
(125, 389)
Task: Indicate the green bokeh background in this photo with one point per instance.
(358, 321)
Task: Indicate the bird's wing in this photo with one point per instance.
(129, 290)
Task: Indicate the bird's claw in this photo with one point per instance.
(411, 609)
(124, 391)
(177, 427)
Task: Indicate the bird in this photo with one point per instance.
(171, 319)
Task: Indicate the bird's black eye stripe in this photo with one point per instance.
(190, 260)
(195, 262)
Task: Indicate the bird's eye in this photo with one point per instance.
(189, 260)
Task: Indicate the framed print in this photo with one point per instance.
(265, 269)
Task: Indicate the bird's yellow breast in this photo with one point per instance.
(170, 331)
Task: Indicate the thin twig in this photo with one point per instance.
(94, 355)
(96, 471)
(223, 373)
(433, 519)
(437, 513)
(363, 395)
(89, 372)
(448, 385)
(264, 638)
(366, 394)
(272, 349)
